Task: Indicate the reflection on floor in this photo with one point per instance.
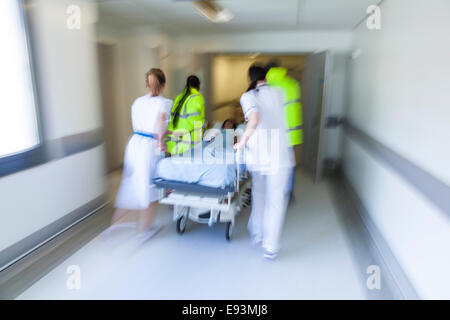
(315, 262)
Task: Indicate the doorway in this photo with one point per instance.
(107, 62)
(230, 81)
(315, 88)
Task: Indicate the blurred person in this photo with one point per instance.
(187, 118)
(262, 106)
(228, 129)
(226, 133)
(150, 116)
(228, 124)
(277, 76)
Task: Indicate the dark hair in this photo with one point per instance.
(155, 80)
(228, 120)
(256, 73)
(272, 64)
(191, 82)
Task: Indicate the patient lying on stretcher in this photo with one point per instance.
(211, 163)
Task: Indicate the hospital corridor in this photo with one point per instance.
(225, 150)
(202, 265)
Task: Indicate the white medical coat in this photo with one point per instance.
(267, 150)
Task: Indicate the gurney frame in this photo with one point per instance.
(191, 202)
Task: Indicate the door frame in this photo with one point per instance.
(325, 112)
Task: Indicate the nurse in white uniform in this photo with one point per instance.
(269, 159)
(150, 115)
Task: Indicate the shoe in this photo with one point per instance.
(270, 255)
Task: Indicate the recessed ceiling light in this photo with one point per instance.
(213, 11)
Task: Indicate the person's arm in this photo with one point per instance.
(163, 122)
(253, 120)
(162, 130)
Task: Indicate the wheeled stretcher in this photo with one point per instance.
(206, 204)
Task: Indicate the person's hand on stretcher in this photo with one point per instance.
(253, 121)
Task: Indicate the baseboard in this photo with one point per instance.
(38, 261)
(369, 246)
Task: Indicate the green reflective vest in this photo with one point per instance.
(191, 122)
(292, 106)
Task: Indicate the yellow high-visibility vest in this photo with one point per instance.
(292, 106)
(191, 122)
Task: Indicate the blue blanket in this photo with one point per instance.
(210, 164)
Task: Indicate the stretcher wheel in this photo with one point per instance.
(229, 231)
(181, 224)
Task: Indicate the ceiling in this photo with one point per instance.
(250, 15)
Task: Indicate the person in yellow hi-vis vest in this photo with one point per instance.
(187, 118)
(277, 76)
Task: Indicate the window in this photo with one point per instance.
(19, 130)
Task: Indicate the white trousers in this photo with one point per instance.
(270, 198)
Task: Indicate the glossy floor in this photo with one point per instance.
(316, 261)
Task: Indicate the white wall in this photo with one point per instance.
(68, 72)
(138, 50)
(399, 95)
(34, 198)
(39, 196)
(229, 78)
(276, 42)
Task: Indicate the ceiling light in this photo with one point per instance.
(213, 11)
